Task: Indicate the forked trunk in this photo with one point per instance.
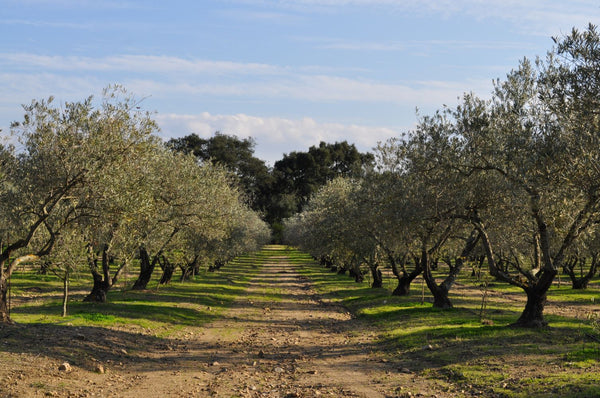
(440, 291)
(403, 288)
(533, 314)
(102, 281)
(583, 280)
(99, 290)
(404, 277)
(190, 269)
(377, 276)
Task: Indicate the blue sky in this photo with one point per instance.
(288, 73)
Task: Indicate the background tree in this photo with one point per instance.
(300, 174)
(237, 156)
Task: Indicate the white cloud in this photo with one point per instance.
(274, 135)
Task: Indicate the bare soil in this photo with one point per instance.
(297, 346)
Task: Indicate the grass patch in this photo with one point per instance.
(491, 359)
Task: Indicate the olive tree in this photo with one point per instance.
(540, 145)
(46, 183)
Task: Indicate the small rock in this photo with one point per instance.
(312, 372)
(428, 347)
(404, 370)
(123, 351)
(279, 370)
(65, 367)
(215, 363)
(100, 369)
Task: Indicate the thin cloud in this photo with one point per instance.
(171, 77)
(415, 45)
(138, 63)
(539, 17)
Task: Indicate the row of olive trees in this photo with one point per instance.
(91, 184)
(514, 180)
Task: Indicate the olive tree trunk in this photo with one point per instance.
(440, 291)
(4, 312)
(146, 269)
(102, 281)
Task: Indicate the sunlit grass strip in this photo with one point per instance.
(160, 309)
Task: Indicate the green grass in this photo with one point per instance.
(166, 309)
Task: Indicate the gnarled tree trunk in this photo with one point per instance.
(146, 269)
(190, 269)
(102, 281)
(377, 276)
(168, 269)
(583, 280)
(440, 291)
(533, 314)
(404, 277)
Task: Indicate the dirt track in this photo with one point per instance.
(295, 346)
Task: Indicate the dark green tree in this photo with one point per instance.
(300, 174)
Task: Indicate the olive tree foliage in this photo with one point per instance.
(328, 227)
(245, 232)
(169, 211)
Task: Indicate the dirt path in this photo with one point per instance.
(294, 346)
